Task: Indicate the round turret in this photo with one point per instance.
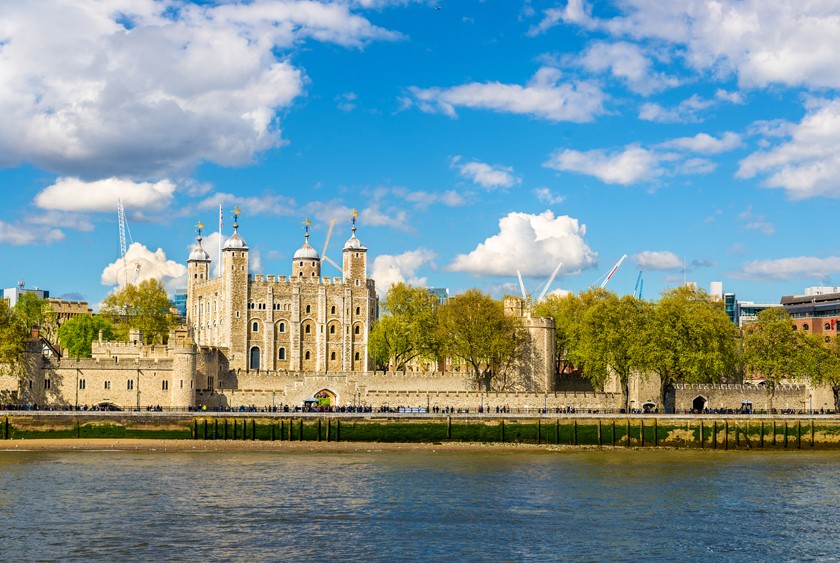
(306, 252)
(235, 241)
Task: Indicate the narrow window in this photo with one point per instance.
(356, 329)
(165, 385)
(827, 326)
(47, 384)
(306, 356)
(357, 356)
(306, 329)
(130, 384)
(308, 309)
(358, 310)
(81, 384)
(332, 329)
(281, 354)
(107, 385)
(332, 356)
(332, 310)
(255, 327)
(281, 327)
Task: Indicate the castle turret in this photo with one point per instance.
(235, 274)
(306, 264)
(355, 258)
(198, 272)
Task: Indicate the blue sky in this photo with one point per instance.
(475, 138)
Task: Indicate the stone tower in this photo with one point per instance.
(198, 271)
(235, 305)
(306, 264)
(355, 258)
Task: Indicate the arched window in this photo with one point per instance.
(255, 358)
(306, 356)
(281, 354)
(356, 329)
(332, 310)
(255, 327)
(281, 327)
(332, 356)
(805, 326)
(358, 310)
(357, 356)
(306, 329)
(332, 329)
(308, 309)
(827, 326)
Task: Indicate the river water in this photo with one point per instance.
(495, 505)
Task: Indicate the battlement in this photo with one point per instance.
(279, 279)
(744, 387)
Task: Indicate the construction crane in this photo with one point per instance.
(123, 225)
(324, 256)
(640, 284)
(614, 268)
(544, 286)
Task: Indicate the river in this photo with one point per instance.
(494, 505)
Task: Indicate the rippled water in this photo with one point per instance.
(419, 505)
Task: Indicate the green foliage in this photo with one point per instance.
(690, 339)
(144, 306)
(407, 328)
(473, 327)
(77, 334)
(34, 310)
(14, 333)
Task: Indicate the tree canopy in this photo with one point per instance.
(77, 334)
(473, 327)
(34, 310)
(144, 306)
(14, 334)
(407, 328)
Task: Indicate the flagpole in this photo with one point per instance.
(220, 239)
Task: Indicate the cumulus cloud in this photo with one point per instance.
(544, 97)
(24, 234)
(657, 260)
(532, 244)
(628, 63)
(806, 163)
(704, 143)
(389, 269)
(152, 265)
(686, 112)
(631, 165)
(267, 204)
(489, 176)
(146, 88)
(800, 267)
(761, 41)
(75, 195)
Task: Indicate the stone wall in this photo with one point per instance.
(795, 397)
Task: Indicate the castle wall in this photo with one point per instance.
(795, 397)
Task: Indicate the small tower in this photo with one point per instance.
(198, 272)
(355, 258)
(235, 274)
(306, 264)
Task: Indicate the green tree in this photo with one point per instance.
(14, 334)
(690, 339)
(34, 310)
(406, 329)
(473, 327)
(77, 334)
(144, 306)
(827, 370)
(609, 340)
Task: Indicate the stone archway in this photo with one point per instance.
(699, 403)
(326, 397)
(254, 360)
(649, 406)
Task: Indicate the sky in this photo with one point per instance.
(476, 139)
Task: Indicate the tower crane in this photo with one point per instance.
(123, 225)
(640, 284)
(324, 256)
(614, 268)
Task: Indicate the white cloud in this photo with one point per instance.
(807, 163)
(389, 269)
(532, 244)
(267, 204)
(146, 88)
(544, 97)
(704, 143)
(762, 41)
(657, 260)
(756, 222)
(628, 63)
(686, 112)
(546, 196)
(25, 234)
(631, 165)
(489, 176)
(152, 265)
(800, 267)
(73, 194)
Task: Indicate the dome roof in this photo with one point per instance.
(354, 244)
(235, 242)
(307, 252)
(198, 254)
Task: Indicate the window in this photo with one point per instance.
(306, 329)
(164, 385)
(47, 384)
(182, 384)
(107, 385)
(805, 326)
(358, 310)
(210, 383)
(332, 310)
(81, 384)
(301, 263)
(281, 354)
(130, 384)
(281, 327)
(308, 309)
(356, 329)
(332, 356)
(332, 329)
(255, 327)
(255, 358)
(306, 356)
(357, 356)
(827, 326)
(237, 314)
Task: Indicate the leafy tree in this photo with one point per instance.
(827, 368)
(609, 340)
(143, 306)
(689, 339)
(13, 336)
(406, 329)
(34, 310)
(77, 334)
(474, 328)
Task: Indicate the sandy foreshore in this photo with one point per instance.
(127, 444)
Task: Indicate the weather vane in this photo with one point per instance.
(199, 227)
(236, 213)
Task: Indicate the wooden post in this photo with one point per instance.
(556, 430)
(448, 427)
(599, 432)
(502, 429)
(714, 435)
(761, 438)
(319, 430)
(628, 433)
(539, 431)
(574, 432)
(786, 433)
(613, 432)
(328, 430)
(812, 432)
(701, 434)
(656, 432)
(799, 434)
(338, 430)
(300, 430)
(725, 434)
(642, 432)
